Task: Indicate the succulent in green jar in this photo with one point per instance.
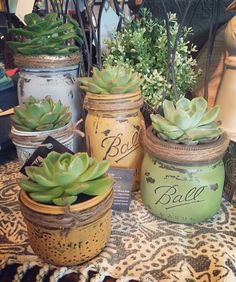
(187, 122)
(62, 177)
(111, 80)
(40, 115)
(46, 35)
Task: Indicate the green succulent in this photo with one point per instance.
(61, 177)
(188, 122)
(40, 115)
(111, 80)
(46, 35)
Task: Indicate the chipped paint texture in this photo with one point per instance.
(185, 194)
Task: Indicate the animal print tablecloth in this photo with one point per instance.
(142, 247)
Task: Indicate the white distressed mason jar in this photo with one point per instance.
(56, 76)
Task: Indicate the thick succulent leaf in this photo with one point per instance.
(30, 186)
(64, 200)
(16, 119)
(198, 104)
(22, 128)
(44, 127)
(32, 19)
(99, 186)
(183, 104)
(51, 18)
(47, 196)
(22, 32)
(182, 119)
(210, 115)
(90, 173)
(202, 133)
(75, 24)
(103, 166)
(97, 78)
(76, 188)
(173, 135)
(49, 163)
(48, 118)
(195, 119)
(162, 123)
(169, 111)
(38, 175)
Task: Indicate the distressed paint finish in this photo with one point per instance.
(68, 237)
(181, 193)
(114, 134)
(59, 83)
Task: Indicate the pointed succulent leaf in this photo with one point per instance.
(49, 163)
(31, 186)
(44, 127)
(198, 104)
(76, 188)
(183, 104)
(99, 186)
(169, 111)
(210, 115)
(48, 118)
(90, 173)
(202, 133)
(182, 119)
(51, 18)
(64, 200)
(173, 135)
(164, 124)
(37, 174)
(47, 196)
(32, 19)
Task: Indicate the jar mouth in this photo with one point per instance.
(199, 154)
(113, 102)
(47, 61)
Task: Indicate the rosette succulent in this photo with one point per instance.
(61, 177)
(188, 122)
(111, 80)
(46, 35)
(40, 115)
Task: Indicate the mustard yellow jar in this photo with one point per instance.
(68, 236)
(113, 128)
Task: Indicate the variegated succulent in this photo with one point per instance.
(188, 122)
(111, 80)
(61, 177)
(40, 115)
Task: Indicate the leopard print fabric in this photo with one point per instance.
(141, 246)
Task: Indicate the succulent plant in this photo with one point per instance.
(46, 35)
(40, 115)
(187, 122)
(111, 80)
(61, 177)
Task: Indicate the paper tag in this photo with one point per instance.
(23, 8)
(41, 152)
(122, 188)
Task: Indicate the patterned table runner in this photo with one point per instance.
(141, 247)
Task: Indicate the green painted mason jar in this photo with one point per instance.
(182, 183)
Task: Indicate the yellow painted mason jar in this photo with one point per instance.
(113, 128)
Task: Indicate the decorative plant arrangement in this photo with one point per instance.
(143, 46)
(49, 60)
(113, 123)
(35, 120)
(111, 80)
(40, 115)
(184, 148)
(66, 203)
(187, 122)
(63, 176)
(46, 35)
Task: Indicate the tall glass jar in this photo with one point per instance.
(113, 127)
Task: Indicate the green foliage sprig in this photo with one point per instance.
(142, 45)
(46, 35)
